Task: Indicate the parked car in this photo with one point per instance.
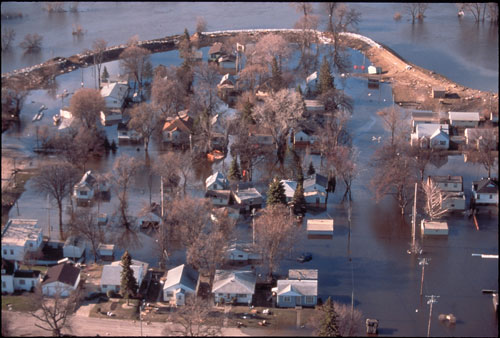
(305, 257)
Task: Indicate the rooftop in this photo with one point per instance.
(18, 231)
(304, 287)
(64, 273)
(320, 225)
(246, 194)
(233, 281)
(430, 128)
(446, 179)
(181, 274)
(463, 116)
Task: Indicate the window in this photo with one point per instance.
(446, 184)
(31, 245)
(83, 193)
(442, 143)
(4, 285)
(309, 300)
(240, 256)
(491, 196)
(287, 299)
(4, 251)
(11, 251)
(22, 281)
(170, 294)
(220, 294)
(478, 196)
(241, 295)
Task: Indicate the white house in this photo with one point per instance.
(303, 138)
(374, 70)
(290, 187)
(219, 197)
(234, 285)
(216, 181)
(86, 189)
(320, 227)
(485, 191)
(315, 190)
(114, 94)
(62, 278)
(126, 134)
(453, 201)
(296, 292)
(312, 83)
(434, 228)
(110, 116)
(8, 269)
(464, 119)
(106, 251)
(19, 237)
(26, 280)
(431, 135)
(242, 253)
(110, 278)
(181, 281)
(447, 183)
(425, 117)
(74, 247)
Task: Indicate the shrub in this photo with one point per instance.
(111, 294)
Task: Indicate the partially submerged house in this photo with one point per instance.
(300, 289)
(247, 199)
(303, 137)
(242, 253)
(216, 51)
(19, 237)
(178, 131)
(181, 281)
(125, 133)
(315, 192)
(451, 187)
(219, 197)
(114, 94)
(216, 181)
(74, 247)
(227, 62)
(111, 275)
(485, 191)
(61, 279)
(106, 252)
(464, 119)
(90, 187)
(435, 136)
(234, 286)
(260, 136)
(227, 88)
(433, 228)
(290, 187)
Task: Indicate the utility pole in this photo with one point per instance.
(423, 262)
(161, 196)
(414, 249)
(253, 226)
(432, 300)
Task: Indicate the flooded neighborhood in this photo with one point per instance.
(249, 169)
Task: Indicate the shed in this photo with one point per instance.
(374, 70)
(434, 228)
(320, 227)
(74, 247)
(438, 92)
(106, 251)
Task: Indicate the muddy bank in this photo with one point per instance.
(411, 87)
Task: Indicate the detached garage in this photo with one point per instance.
(322, 227)
(434, 228)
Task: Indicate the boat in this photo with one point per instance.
(215, 155)
(42, 108)
(40, 116)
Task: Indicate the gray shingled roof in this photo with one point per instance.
(64, 273)
(232, 281)
(485, 186)
(307, 287)
(316, 179)
(181, 274)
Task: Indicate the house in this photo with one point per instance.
(314, 106)
(14, 279)
(296, 292)
(89, 187)
(19, 237)
(247, 199)
(150, 216)
(219, 197)
(110, 278)
(290, 187)
(227, 61)
(438, 92)
(215, 51)
(181, 281)
(311, 83)
(435, 136)
(231, 211)
(217, 124)
(178, 131)
(494, 117)
(26, 280)
(374, 70)
(322, 227)
(303, 138)
(127, 134)
(315, 190)
(485, 191)
(464, 119)
(481, 138)
(216, 181)
(434, 228)
(242, 253)
(453, 201)
(106, 251)
(74, 247)
(62, 278)
(227, 88)
(234, 286)
(260, 136)
(114, 94)
(110, 117)
(447, 183)
(424, 116)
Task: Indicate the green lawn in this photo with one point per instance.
(22, 302)
(118, 307)
(41, 268)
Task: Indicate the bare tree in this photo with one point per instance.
(275, 234)
(280, 113)
(477, 9)
(394, 119)
(145, 119)
(54, 6)
(132, 61)
(493, 12)
(86, 104)
(175, 164)
(416, 10)
(434, 200)
(201, 24)
(194, 319)
(13, 96)
(8, 35)
(124, 169)
(55, 311)
(84, 224)
(270, 47)
(422, 157)
(32, 43)
(167, 169)
(344, 159)
(98, 48)
(484, 149)
(167, 91)
(56, 179)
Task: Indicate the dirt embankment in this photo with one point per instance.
(412, 86)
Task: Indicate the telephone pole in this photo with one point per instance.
(423, 262)
(432, 300)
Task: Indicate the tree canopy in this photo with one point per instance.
(128, 283)
(276, 193)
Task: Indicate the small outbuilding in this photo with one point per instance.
(438, 92)
(433, 228)
(374, 70)
(320, 227)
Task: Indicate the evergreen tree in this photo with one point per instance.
(247, 112)
(299, 201)
(186, 34)
(105, 75)
(234, 170)
(276, 77)
(332, 182)
(328, 326)
(276, 193)
(311, 171)
(325, 77)
(128, 283)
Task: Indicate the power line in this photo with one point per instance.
(431, 301)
